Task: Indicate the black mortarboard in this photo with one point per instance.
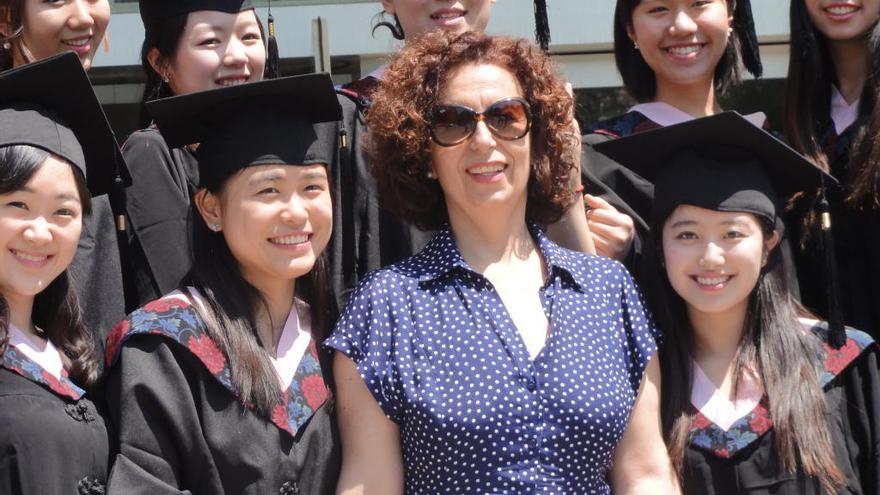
(744, 25)
(153, 11)
(726, 163)
(50, 104)
(542, 25)
(272, 121)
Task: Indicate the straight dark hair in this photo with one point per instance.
(164, 36)
(56, 309)
(772, 341)
(231, 312)
(808, 105)
(638, 77)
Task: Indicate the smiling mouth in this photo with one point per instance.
(78, 42)
(714, 282)
(290, 240)
(448, 16)
(488, 169)
(232, 81)
(30, 259)
(841, 9)
(684, 51)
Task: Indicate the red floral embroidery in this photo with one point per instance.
(206, 350)
(701, 421)
(164, 305)
(761, 422)
(838, 359)
(314, 390)
(722, 453)
(58, 386)
(279, 417)
(114, 340)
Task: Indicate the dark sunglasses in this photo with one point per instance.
(508, 119)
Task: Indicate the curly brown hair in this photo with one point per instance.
(399, 144)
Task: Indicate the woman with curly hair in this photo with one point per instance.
(492, 360)
(831, 116)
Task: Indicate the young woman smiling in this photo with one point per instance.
(53, 441)
(190, 46)
(676, 57)
(832, 92)
(757, 397)
(219, 386)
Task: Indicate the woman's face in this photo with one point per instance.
(681, 40)
(276, 220)
(50, 27)
(714, 258)
(216, 49)
(843, 20)
(484, 175)
(40, 226)
(420, 16)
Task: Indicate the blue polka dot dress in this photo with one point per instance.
(440, 354)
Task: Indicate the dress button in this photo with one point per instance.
(530, 384)
(289, 488)
(79, 411)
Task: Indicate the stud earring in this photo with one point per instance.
(165, 78)
(6, 45)
(431, 175)
(636, 45)
(730, 30)
(215, 227)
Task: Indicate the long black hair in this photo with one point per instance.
(638, 77)
(811, 75)
(784, 356)
(164, 36)
(231, 311)
(56, 309)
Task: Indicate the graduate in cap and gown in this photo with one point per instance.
(56, 150)
(219, 386)
(670, 88)
(758, 396)
(189, 46)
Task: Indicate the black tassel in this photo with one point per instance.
(744, 24)
(272, 60)
(542, 25)
(836, 329)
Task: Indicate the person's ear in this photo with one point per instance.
(770, 244)
(388, 6)
(158, 63)
(208, 206)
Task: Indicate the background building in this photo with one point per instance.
(336, 35)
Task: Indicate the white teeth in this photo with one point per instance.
(292, 239)
(452, 15)
(842, 9)
(712, 281)
(232, 82)
(28, 257)
(684, 50)
(486, 169)
(82, 42)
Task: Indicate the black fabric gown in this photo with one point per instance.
(856, 242)
(182, 429)
(52, 439)
(743, 460)
(365, 237)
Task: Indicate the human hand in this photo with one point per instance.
(612, 231)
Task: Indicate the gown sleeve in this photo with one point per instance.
(152, 399)
(861, 405)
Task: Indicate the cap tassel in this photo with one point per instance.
(272, 60)
(542, 25)
(744, 24)
(836, 329)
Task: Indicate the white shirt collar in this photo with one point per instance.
(43, 353)
(843, 114)
(666, 115)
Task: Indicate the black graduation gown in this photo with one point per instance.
(365, 236)
(742, 461)
(182, 429)
(856, 242)
(52, 439)
(96, 271)
(158, 207)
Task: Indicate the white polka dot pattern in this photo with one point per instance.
(439, 352)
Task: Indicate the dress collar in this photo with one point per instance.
(24, 358)
(441, 256)
(843, 114)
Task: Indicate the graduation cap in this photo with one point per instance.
(267, 122)
(744, 25)
(542, 25)
(155, 11)
(50, 104)
(725, 163)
